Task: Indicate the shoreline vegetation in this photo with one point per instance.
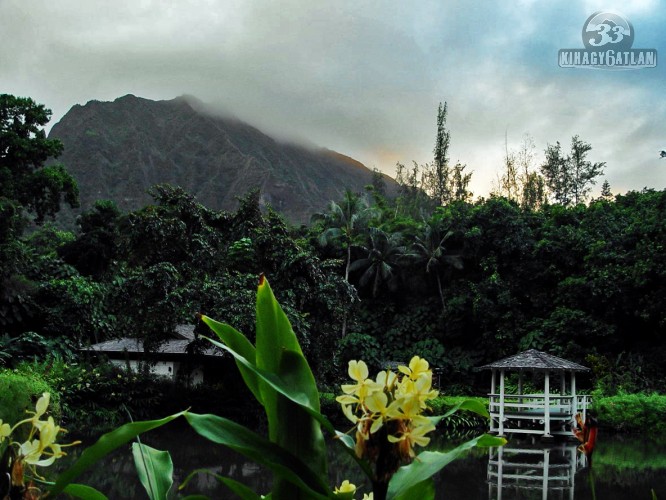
(99, 398)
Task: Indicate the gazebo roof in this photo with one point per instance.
(533, 360)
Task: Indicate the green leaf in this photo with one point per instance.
(429, 463)
(425, 490)
(349, 445)
(275, 337)
(281, 462)
(287, 387)
(239, 488)
(105, 445)
(78, 490)
(274, 381)
(240, 344)
(155, 470)
(295, 395)
(468, 404)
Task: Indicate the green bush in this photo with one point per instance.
(19, 392)
(98, 397)
(631, 412)
(360, 346)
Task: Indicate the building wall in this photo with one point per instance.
(164, 368)
(167, 369)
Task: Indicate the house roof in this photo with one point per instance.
(533, 360)
(178, 345)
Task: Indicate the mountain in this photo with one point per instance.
(117, 150)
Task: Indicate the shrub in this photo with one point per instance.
(632, 412)
(360, 346)
(19, 392)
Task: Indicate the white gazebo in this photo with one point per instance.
(546, 413)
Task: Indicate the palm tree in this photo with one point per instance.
(384, 253)
(432, 250)
(344, 222)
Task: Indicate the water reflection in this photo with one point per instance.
(624, 467)
(533, 470)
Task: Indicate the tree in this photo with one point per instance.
(431, 250)
(440, 181)
(534, 191)
(344, 222)
(383, 255)
(606, 193)
(96, 247)
(570, 178)
(459, 184)
(413, 186)
(508, 182)
(584, 171)
(25, 185)
(24, 180)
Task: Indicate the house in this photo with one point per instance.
(180, 357)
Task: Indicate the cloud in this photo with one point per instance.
(364, 78)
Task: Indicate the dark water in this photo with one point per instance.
(623, 468)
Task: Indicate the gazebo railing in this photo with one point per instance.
(536, 403)
(524, 407)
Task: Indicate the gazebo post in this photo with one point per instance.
(574, 399)
(501, 404)
(563, 388)
(520, 393)
(546, 403)
(491, 405)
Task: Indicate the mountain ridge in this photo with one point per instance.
(118, 149)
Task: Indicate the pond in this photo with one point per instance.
(624, 468)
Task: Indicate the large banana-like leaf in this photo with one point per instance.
(155, 470)
(238, 488)
(81, 491)
(286, 388)
(429, 463)
(240, 344)
(105, 445)
(281, 462)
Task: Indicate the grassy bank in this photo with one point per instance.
(631, 413)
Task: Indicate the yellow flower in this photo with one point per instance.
(419, 389)
(377, 403)
(370, 496)
(40, 408)
(48, 431)
(417, 367)
(349, 413)
(30, 452)
(358, 371)
(387, 379)
(5, 431)
(42, 405)
(414, 435)
(345, 487)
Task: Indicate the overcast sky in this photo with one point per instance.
(363, 78)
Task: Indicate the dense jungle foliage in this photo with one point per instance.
(460, 283)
